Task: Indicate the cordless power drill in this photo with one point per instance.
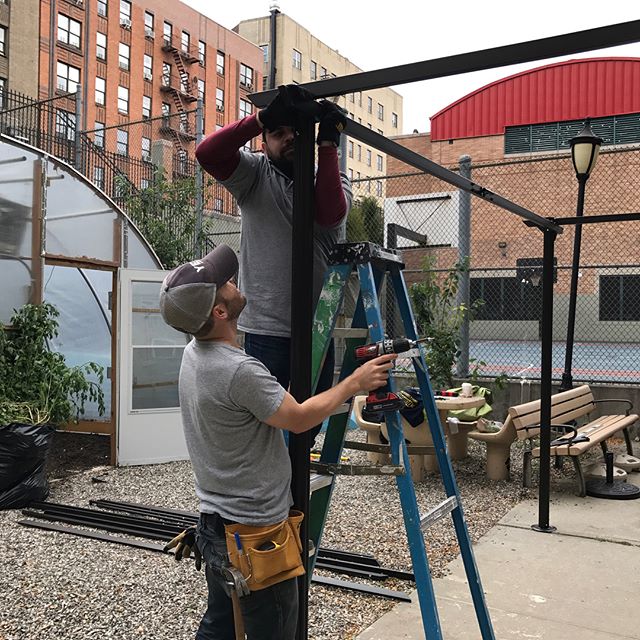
(380, 401)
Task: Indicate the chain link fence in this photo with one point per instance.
(415, 213)
(506, 257)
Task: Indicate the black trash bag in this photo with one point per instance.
(23, 454)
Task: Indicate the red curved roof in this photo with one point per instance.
(570, 90)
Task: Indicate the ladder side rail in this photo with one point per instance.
(446, 469)
(411, 516)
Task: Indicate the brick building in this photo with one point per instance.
(517, 133)
(136, 60)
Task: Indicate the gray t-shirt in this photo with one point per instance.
(241, 465)
(265, 197)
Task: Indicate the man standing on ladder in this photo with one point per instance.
(263, 187)
(232, 410)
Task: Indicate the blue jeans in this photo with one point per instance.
(268, 614)
(275, 353)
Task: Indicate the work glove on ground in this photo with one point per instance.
(332, 123)
(184, 543)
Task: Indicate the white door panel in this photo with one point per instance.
(150, 352)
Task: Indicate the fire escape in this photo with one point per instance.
(183, 92)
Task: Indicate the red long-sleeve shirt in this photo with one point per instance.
(219, 156)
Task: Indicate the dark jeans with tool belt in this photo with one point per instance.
(268, 614)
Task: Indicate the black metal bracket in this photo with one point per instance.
(362, 252)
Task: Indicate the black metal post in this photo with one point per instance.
(301, 324)
(567, 379)
(545, 383)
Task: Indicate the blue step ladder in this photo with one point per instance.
(373, 264)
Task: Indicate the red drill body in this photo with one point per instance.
(384, 400)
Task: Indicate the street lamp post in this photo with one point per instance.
(584, 154)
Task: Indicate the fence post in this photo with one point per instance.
(199, 203)
(77, 137)
(464, 252)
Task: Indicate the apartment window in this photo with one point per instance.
(201, 87)
(146, 148)
(369, 125)
(368, 185)
(185, 41)
(166, 109)
(619, 297)
(379, 163)
(217, 205)
(220, 63)
(313, 70)
(69, 31)
(394, 120)
(65, 124)
(125, 11)
(380, 111)
(368, 157)
(124, 53)
(68, 77)
(3, 88)
(122, 146)
(380, 131)
(359, 98)
(98, 177)
(148, 22)
(357, 175)
(3, 41)
(369, 105)
(297, 59)
(323, 73)
(379, 188)
(219, 99)
(167, 32)
(102, 8)
(144, 183)
(352, 97)
(101, 90)
(265, 53)
(166, 74)
(359, 153)
(202, 52)
(147, 67)
(246, 75)
(98, 134)
(245, 108)
(146, 106)
(101, 46)
(123, 100)
(350, 148)
(506, 299)
(350, 173)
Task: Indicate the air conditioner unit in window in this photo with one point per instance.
(123, 65)
(149, 33)
(147, 76)
(78, 2)
(219, 107)
(146, 157)
(125, 22)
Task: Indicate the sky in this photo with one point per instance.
(376, 34)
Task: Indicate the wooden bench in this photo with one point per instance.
(568, 408)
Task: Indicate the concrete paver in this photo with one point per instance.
(582, 582)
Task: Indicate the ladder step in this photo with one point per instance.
(358, 470)
(438, 512)
(350, 332)
(318, 481)
(415, 450)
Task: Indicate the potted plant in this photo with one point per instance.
(38, 391)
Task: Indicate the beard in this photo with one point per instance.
(235, 306)
(284, 165)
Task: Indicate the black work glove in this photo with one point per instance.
(184, 543)
(332, 123)
(280, 112)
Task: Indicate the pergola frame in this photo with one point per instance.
(303, 215)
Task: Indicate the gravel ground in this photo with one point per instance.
(61, 587)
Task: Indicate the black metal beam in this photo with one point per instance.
(540, 49)
(404, 232)
(608, 217)
(150, 546)
(373, 139)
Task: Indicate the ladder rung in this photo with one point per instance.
(438, 512)
(350, 332)
(358, 470)
(318, 481)
(416, 450)
(343, 408)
